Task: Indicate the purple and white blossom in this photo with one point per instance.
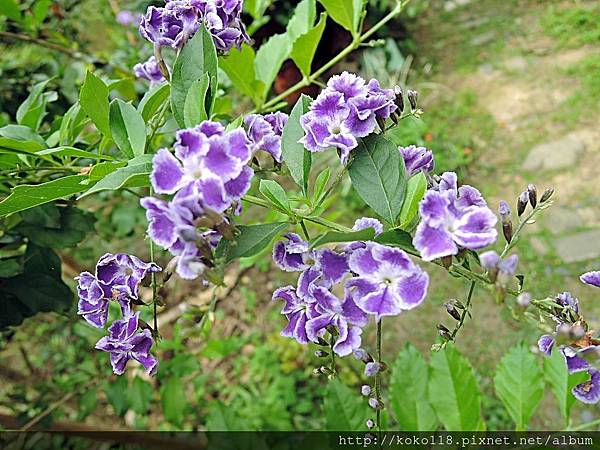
(502, 270)
(368, 222)
(453, 218)
(417, 159)
(175, 23)
(387, 281)
(125, 342)
(591, 278)
(589, 391)
(149, 71)
(265, 132)
(297, 311)
(347, 109)
(294, 254)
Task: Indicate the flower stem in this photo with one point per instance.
(377, 379)
(465, 311)
(153, 283)
(520, 227)
(331, 344)
(305, 230)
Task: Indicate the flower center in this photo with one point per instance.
(336, 129)
(128, 271)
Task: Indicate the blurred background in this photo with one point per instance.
(511, 95)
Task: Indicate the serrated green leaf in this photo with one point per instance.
(305, 46)
(194, 110)
(93, 98)
(135, 174)
(251, 240)
(453, 391)
(561, 383)
(128, 128)
(415, 189)
(339, 236)
(344, 410)
(198, 57)
(27, 196)
(378, 175)
(519, 383)
(276, 194)
(296, 157)
(153, 100)
(408, 392)
(173, 400)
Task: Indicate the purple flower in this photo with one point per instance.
(293, 255)
(331, 311)
(149, 71)
(453, 218)
(387, 281)
(115, 271)
(589, 391)
(368, 222)
(297, 311)
(567, 302)
(128, 18)
(365, 390)
(344, 111)
(93, 300)
(179, 20)
(265, 132)
(591, 278)
(372, 368)
(503, 211)
(500, 269)
(417, 159)
(124, 342)
(209, 158)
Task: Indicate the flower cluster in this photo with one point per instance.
(208, 175)
(576, 343)
(176, 22)
(149, 70)
(117, 278)
(377, 280)
(347, 109)
(265, 132)
(453, 217)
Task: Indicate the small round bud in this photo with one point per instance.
(546, 195)
(362, 355)
(365, 390)
(522, 202)
(321, 354)
(370, 424)
(374, 403)
(441, 327)
(532, 190)
(504, 211)
(524, 300)
(507, 230)
(576, 332)
(372, 369)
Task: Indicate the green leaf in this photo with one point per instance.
(408, 392)
(128, 128)
(102, 169)
(397, 238)
(453, 391)
(239, 67)
(38, 289)
(194, 109)
(344, 410)
(519, 384)
(116, 394)
(47, 216)
(341, 11)
(72, 124)
(222, 418)
(10, 9)
(173, 400)
(87, 403)
(10, 268)
(251, 240)
(276, 194)
(415, 189)
(32, 111)
(140, 395)
(93, 98)
(378, 175)
(71, 152)
(357, 9)
(21, 139)
(302, 20)
(320, 184)
(269, 58)
(561, 383)
(197, 58)
(135, 174)
(153, 100)
(295, 156)
(339, 236)
(305, 46)
(27, 196)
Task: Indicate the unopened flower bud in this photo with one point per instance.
(362, 355)
(546, 195)
(507, 230)
(365, 390)
(532, 195)
(370, 424)
(444, 332)
(322, 342)
(504, 211)
(524, 300)
(399, 99)
(446, 261)
(332, 330)
(522, 202)
(324, 370)
(576, 332)
(450, 309)
(413, 97)
(372, 369)
(321, 354)
(380, 123)
(458, 304)
(375, 404)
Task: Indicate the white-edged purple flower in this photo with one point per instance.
(121, 269)
(149, 71)
(453, 218)
(417, 159)
(265, 132)
(589, 391)
(368, 222)
(387, 281)
(591, 278)
(175, 23)
(297, 311)
(293, 254)
(344, 315)
(93, 300)
(347, 109)
(124, 342)
(501, 269)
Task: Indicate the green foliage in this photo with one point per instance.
(305, 47)
(251, 240)
(153, 100)
(573, 25)
(378, 175)
(408, 392)
(94, 101)
(173, 400)
(344, 12)
(33, 109)
(336, 236)
(194, 109)
(296, 157)
(135, 174)
(239, 67)
(519, 384)
(415, 189)
(453, 391)
(344, 409)
(273, 192)
(128, 128)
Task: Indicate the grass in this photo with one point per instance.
(573, 26)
